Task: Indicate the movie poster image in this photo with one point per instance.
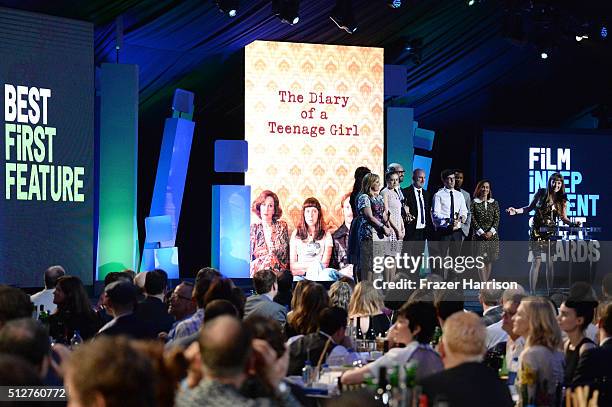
(313, 114)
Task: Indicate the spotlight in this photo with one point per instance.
(287, 10)
(342, 16)
(471, 2)
(603, 33)
(229, 7)
(394, 3)
(544, 55)
(582, 37)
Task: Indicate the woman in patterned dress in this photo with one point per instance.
(393, 208)
(270, 237)
(550, 205)
(485, 222)
(372, 225)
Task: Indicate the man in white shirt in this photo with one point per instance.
(45, 297)
(448, 213)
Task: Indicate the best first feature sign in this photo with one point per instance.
(32, 169)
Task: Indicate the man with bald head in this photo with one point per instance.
(465, 381)
(418, 203)
(45, 297)
(226, 347)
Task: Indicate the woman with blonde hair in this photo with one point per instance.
(540, 371)
(340, 295)
(366, 311)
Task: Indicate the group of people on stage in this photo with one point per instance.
(381, 211)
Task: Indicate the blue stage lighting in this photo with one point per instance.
(604, 32)
(394, 3)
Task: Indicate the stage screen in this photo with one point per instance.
(518, 163)
(47, 105)
(313, 114)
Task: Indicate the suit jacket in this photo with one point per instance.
(154, 311)
(470, 384)
(595, 369)
(260, 304)
(129, 325)
(411, 202)
(308, 347)
(493, 316)
(465, 228)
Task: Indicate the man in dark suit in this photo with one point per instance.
(262, 303)
(152, 309)
(595, 365)
(418, 202)
(466, 381)
(491, 308)
(120, 300)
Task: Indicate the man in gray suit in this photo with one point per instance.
(262, 303)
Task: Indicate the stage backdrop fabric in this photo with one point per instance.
(313, 113)
(47, 103)
(519, 162)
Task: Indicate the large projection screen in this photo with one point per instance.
(47, 158)
(313, 114)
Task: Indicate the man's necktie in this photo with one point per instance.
(452, 208)
(422, 213)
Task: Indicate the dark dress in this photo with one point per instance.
(571, 360)
(485, 216)
(379, 325)
(545, 216)
(63, 324)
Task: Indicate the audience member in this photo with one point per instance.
(340, 294)
(182, 306)
(465, 381)
(595, 365)
(74, 313)
(413, 330)
(152, 308)
(120, 301)
(540, 370)
(297, 293)
(447, 302)
(262, 303)
(366, 311)
(213, 309)
(109, 372)
(224, 289)
(491, 308)
(574, 317)
(14, 303)
(285, 282)
(314, 346)
(191, 325)
(29, 340)
(269, 330)
(304, 319)
(512, 344)
(226, 346)
(16, 371)
(45, 297)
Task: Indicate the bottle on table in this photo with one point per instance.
(43, 316)
(308, 373)
(76, 339)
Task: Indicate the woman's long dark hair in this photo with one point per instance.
(76, 300)
(305, 317)
(302, 229)
(360, 172)
(557, 198)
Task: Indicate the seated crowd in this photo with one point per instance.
(204, 343)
